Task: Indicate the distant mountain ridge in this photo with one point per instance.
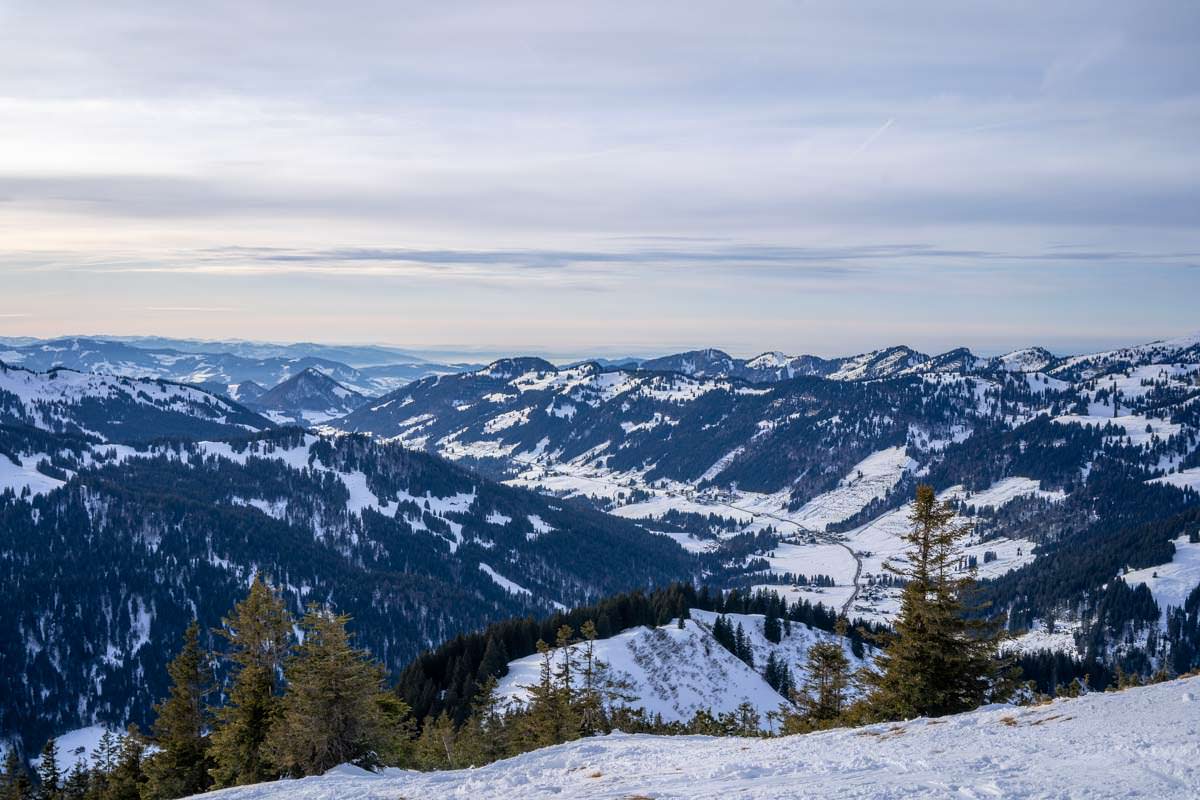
(775, 366)
(222, 371)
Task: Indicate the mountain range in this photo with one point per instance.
(221, 366)
(128, 505)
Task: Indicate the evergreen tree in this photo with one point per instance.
(495, 660)
(772, 630)
(590, 702)
(259, 633)
(939, 661)
(104, 761)
(49, 775)
(435, 747)
(181, 765)
(550, 718)
(333, 711)
(127, 779)
(17, 785)
(742, 647)
(484, 737)
(77, 784)
(827, 678)
(772, 673)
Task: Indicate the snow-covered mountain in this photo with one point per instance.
(107, 551)
(307, 398)
(1040, 463)
(115, 408)
(775, 366)
(1141, 742)
(1082, 486)
(876, 364)
(352, 355)
(221, 371)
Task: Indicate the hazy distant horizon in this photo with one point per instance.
(451, 352)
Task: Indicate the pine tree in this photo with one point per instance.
(333, 710)
(77, 784)
(590, 702)
(772, 630)
(772, 673)
(550, 718)
(827, 677)
(17, 785)
(104, 761)
(484, 737)
(495, 660)
(259, 633)
(181, 765)
(127, 778)
(49, 775)
(435, 747)
(939, 661)
(742, 647)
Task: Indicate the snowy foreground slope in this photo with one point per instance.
(1138, 743)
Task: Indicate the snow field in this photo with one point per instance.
(1171, 583)
(1142, 742)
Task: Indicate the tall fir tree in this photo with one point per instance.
(127, 780)
(940, 660)
(495, 660)
(181, 765)
(104, 761)
(484, 737)
(822, 696)
(550, 718)
(259, 632)
(334, 710)
(49, 775)
(77, 784)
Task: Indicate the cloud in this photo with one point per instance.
(469, 159)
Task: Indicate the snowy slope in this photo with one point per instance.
(1171, 583)
(1138, 743)
(116, 408)
(676, 672)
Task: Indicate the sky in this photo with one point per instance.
(602, 178)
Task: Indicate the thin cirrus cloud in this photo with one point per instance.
(441, 172)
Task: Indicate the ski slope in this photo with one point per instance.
(1138, 743)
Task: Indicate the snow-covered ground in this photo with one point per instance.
(871, 478)
(1137, 743)
(1184, 479)
(25, 475)
(1171, 583)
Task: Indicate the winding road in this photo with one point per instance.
(553, 469)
